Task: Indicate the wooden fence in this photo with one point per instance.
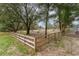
(39, 42)
(28, 40)
(42, 41)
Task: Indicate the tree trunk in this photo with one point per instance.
(15, 31)
(28, 31)
(60, 22)
(27, 22)
(47, 5)
(63, 29)
(60, 26)
(46, 29)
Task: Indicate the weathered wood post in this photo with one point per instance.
(35, 50)
(54, 37)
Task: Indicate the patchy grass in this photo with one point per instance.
(60, 44)
(11, 46)
(22, 32)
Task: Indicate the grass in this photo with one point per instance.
(60, 44)
(11, 46)
(22, 32)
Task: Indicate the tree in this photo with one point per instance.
(44, 13)
(11, 21)
(26, 12)
(64, 13)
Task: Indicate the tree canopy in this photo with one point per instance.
(24, 16)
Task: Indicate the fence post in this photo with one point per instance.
(35, 50)
(55, 37)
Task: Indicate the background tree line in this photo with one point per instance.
(24, 16)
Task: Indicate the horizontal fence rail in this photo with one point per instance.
(28, 40)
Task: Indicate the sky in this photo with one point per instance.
(42, 24)
(51, 21)
(76, 21)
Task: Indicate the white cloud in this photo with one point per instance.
(75, 22)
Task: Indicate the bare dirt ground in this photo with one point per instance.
(70, 47)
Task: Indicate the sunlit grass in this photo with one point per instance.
(11, 46)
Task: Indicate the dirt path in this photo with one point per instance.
(71, 47)
(74, 45)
